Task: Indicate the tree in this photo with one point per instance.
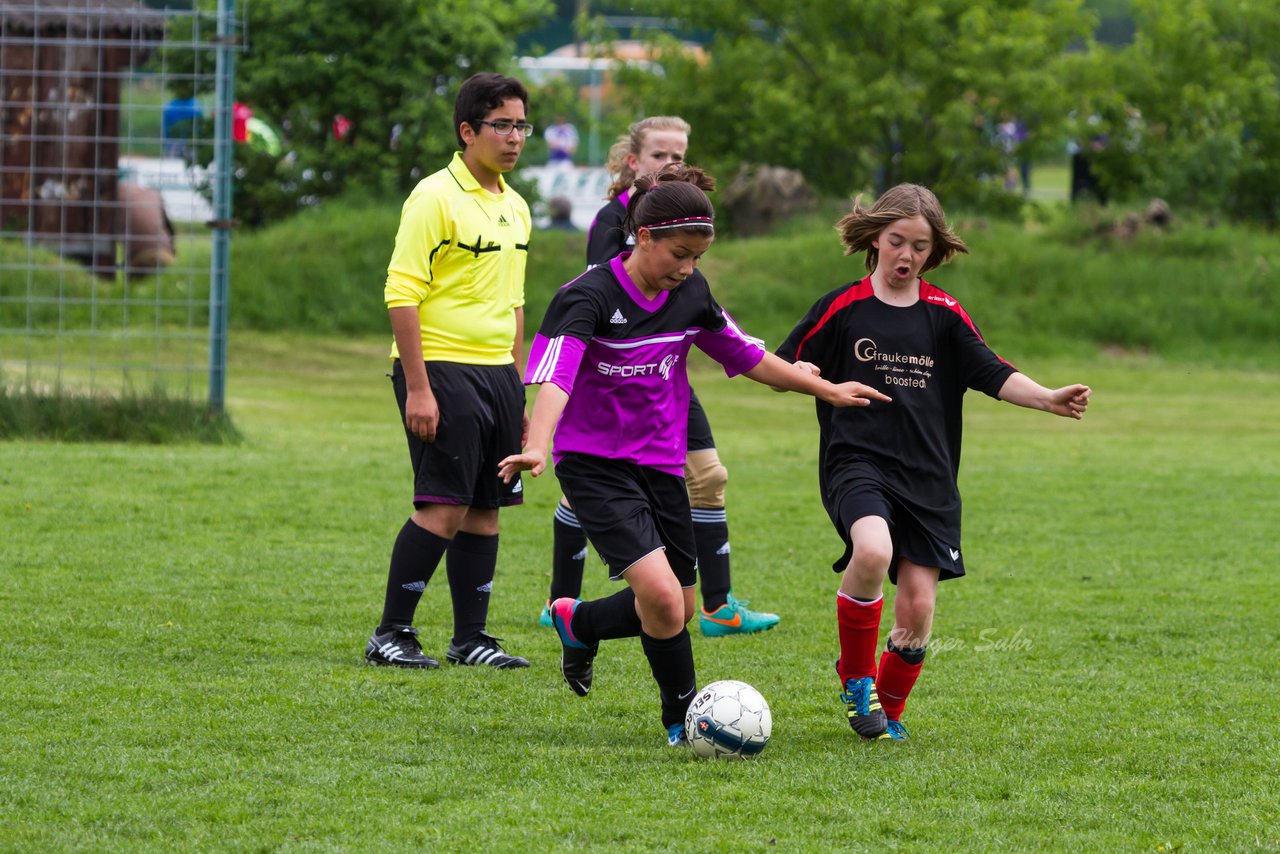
(1196, 96)
(391, 69)
(858, 94)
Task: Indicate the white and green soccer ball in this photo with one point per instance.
(729, 720)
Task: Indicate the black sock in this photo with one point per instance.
(671, 661)
(470, 563)
(568, 554)
(608, 618)
(711, 534)
(909, 655)
(414, 559)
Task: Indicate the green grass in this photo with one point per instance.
(182, 630)
(142, 103)
(1051, 182)
(157, 417)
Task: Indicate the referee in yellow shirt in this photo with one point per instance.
(455, 292)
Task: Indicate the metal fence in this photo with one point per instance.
(115, 131)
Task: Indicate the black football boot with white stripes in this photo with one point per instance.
(484, 650)
(397, 647)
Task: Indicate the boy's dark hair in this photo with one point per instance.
(678, 192)
(481, 93)
(862, 225)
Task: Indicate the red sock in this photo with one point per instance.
(894, 683)
(859, 624)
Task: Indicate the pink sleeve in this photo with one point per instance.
(554, 360)
(737, 351)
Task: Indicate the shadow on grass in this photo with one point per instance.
(155, 418)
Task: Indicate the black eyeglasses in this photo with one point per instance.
(504, 127)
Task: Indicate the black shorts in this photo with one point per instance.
(629, 511)
(865, 497)
(700, 438)
(481, 419)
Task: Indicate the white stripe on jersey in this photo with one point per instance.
(665, 339)
(547, 364)
(759, 342)
(631, 344)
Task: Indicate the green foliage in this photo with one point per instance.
(857, 95)
(1064, 283)
(324, 270)
(44, 292)
(155, 418)
(870, 94)
(393, 74)
(1059, 287)
(1196, 104)
(1103, 680)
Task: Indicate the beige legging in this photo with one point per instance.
(705, 479)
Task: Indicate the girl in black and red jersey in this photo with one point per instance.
(610, 358)
(888, 476)
(649, 145)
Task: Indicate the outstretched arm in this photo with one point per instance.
(547, 407)
(773, 371)
(1069, 401)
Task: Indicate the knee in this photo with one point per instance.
(871, 559)
(706, 478)
(914, 612)
(665, 613)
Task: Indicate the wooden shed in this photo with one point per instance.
(62, 63)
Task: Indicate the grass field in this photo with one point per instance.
(180, 657)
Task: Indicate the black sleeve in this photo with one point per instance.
(573, 311)
(981, 369)
(805, 342)
(606, 238)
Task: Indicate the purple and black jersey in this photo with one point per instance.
(925, 356)
(606, 238)
(621, 357)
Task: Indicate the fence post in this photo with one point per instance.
(220, 268)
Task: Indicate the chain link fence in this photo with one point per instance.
(115, 131)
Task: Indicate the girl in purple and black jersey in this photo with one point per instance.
(650, 145)
(610, 358)
(888, 477)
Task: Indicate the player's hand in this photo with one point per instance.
(533, 461)
(853, 394)
(1070, 401)
(808, 367)
(805, 367)
(524, 430)
(422, 415)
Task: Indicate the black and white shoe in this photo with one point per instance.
(484, 650)
(397, 647)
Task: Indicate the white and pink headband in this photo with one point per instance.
(683, 222)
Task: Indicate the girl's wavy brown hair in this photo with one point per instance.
(862, 225)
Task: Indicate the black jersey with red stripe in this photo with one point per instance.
(925, 356)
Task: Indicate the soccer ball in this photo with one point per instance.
(728, 719)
